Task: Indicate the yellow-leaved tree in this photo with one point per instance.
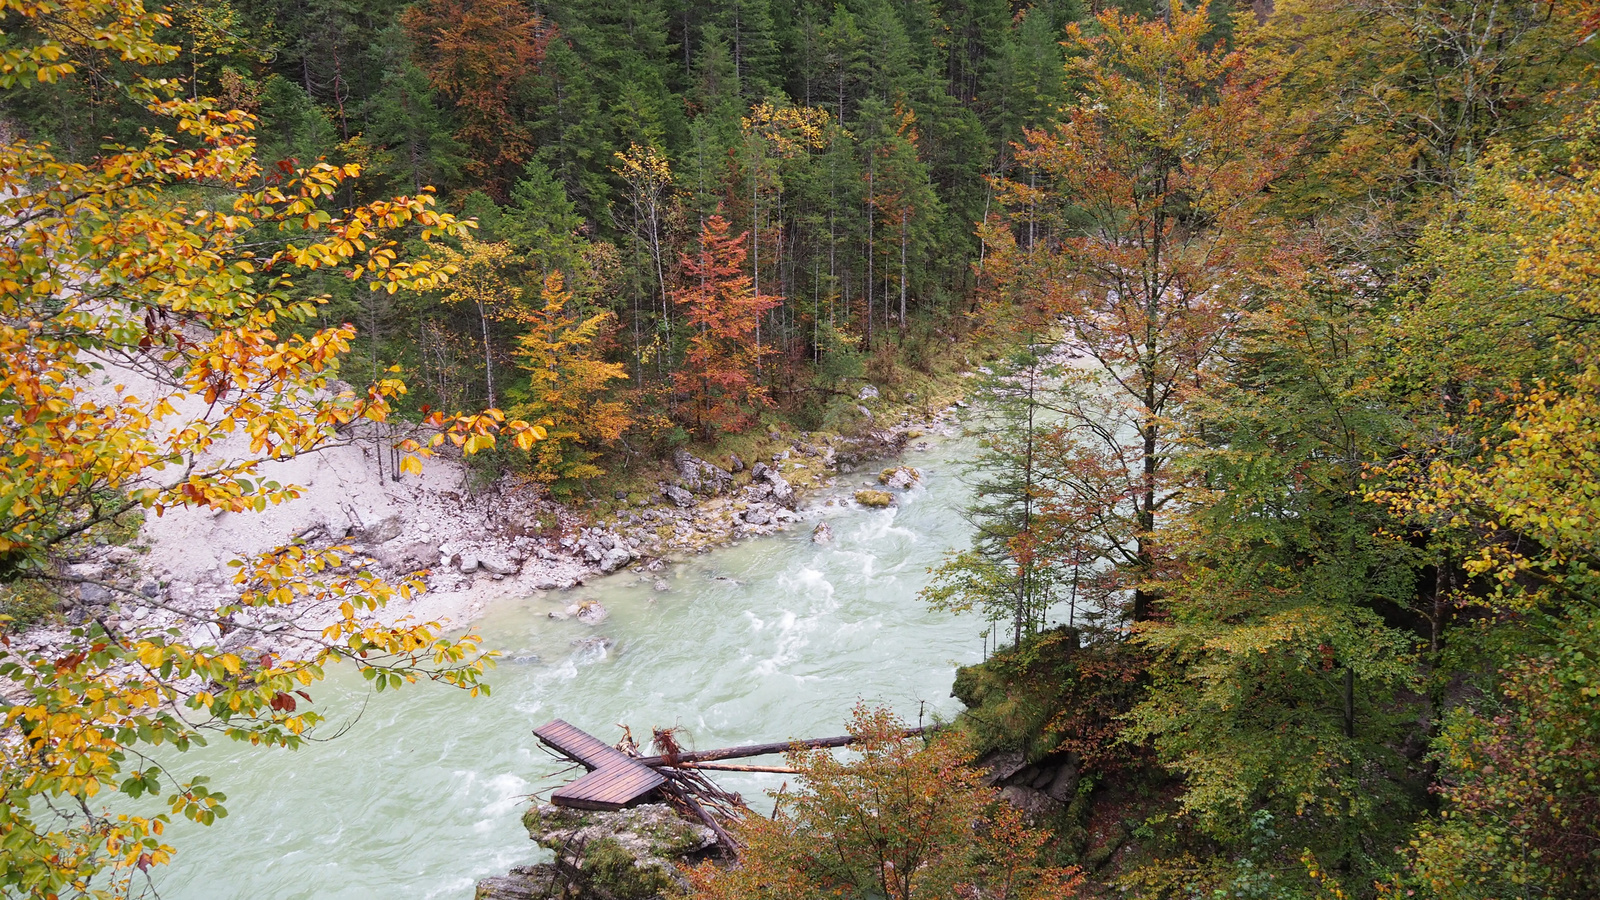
(172, 260)
(567, 383)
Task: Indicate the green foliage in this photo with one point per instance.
(1054, 695)
(25, 604)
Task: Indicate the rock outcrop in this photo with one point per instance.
(701, 476)
(631, 854)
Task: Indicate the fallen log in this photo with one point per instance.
(731, 767)
(760, 749)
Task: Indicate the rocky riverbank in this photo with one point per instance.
(468, 548)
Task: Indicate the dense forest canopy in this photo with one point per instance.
(1287, 312)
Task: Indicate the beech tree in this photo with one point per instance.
(723, 313)
(175, 257)
(1137, 224)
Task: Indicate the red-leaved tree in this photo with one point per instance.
(724, 312)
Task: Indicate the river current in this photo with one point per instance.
(774, 638)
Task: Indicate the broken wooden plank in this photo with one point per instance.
(615, 781)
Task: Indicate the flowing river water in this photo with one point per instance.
(773, 638)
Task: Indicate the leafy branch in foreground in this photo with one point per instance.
(154, 352)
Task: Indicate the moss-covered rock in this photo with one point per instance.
(630, 854)
(874, 499)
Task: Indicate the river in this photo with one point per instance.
(422, 794)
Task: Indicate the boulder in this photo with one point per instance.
(735, 464)
(757, 515)
(699, 475)
(615, 558)
(1064, 784)
(375, 531)
(1002, 764)
(822, 534)
(500, 565)
(874, 499)
(630, 854)
(468, 563)
(679, 497)
(872, 445)
(899, 477)
(868, 392)
(94, 595)
(782, 491)
(86, 570)
(1036, 806)
(407, 556)
(758, 472)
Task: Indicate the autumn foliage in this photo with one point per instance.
(902, 821)
(173, 261)
(568, 383)
(724, 314)
(477, 53)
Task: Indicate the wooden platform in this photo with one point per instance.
(615, 780)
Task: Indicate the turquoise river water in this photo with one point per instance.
(770, 639)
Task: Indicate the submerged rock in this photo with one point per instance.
(822, 534)
(589, 612)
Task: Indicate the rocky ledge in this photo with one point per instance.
(631, 854)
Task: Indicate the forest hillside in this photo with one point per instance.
(1278, 316)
